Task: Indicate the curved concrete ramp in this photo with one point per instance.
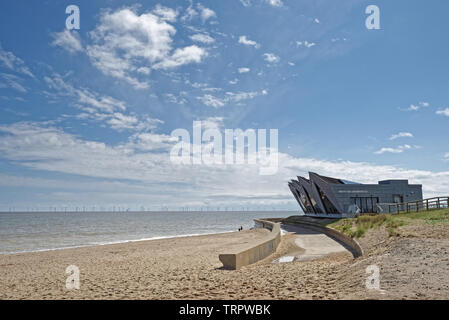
(315, 244)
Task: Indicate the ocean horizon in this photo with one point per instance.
(22, 232)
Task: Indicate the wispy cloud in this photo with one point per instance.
(203, 38)
(100, 107)
(235, 97)
(9, 60)
(13, 82)
(271, 57)
(275, 3)
(68, 40)
(306, 44)
(211, 101)
(177, 99)
(244, 70)
(199, 11)
(206, 13)
(443, 112)
(245, 41)
(401, 135)
(398, 149)
(416, 107)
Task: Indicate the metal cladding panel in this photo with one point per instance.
(301, 190)
(298, 187)
(295, 191)
(326, 188)
(317, 196)
(311, 190)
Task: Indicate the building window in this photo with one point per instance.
(397, 198)
(366, 204)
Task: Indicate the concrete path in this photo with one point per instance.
(314, 243)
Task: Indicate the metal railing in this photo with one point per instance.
(414, 206)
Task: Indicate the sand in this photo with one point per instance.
(413, 265)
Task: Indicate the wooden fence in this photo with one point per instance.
(416, 206)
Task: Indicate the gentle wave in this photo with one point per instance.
(117, 242)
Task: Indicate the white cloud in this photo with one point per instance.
(271, 57)
(84, 96)
(68, 40)
(182, 56)
(236, 97)
(119, 121)
(200, 11)
(212, 123)
(211, 89)
(416, 107)
(144, 160)
(165, 13)
(398, 149)
(206, 13)
(124, 42)
(275, 3)
(9, 60)
(189, 14)
(244, 70)
(246, 3)
(239, 96)
(211, 101)
(247, 42)
(305, 44)
(144, 70)
(316, 20)
(175, 99)
(401, 135)
(12, 82)
(203, 38)
(446, 155)
(100, 107)
(196, 85)
(443, 112)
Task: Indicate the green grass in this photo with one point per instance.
(357, 227)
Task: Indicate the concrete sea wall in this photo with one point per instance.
(255, 251)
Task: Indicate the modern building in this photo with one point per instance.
(325, 196)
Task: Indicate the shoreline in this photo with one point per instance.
(189, 268)
(114, 243)
(160, 268)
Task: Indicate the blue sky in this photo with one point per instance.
(86, 115)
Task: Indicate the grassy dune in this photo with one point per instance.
(357, 227)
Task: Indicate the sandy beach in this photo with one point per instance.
(188, 268)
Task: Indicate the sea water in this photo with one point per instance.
(37, 231)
